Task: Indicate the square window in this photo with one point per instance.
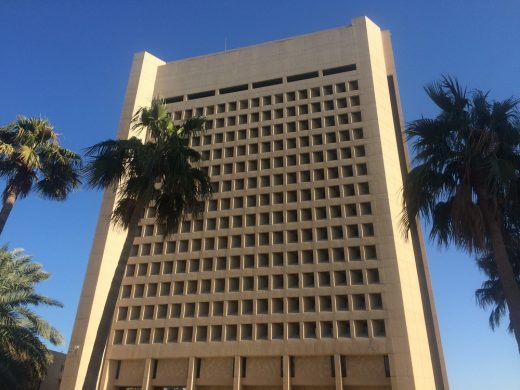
(231, 332)
(247, 307)
(326, 329)
(277, 258)
(343, 328)
(246, 332)
(305, 176)
(307, 235)
(373, 276)
(292, 236)
(277, 282)
(378, 328)
(338, 254)
(358, 302)
(219, 285)
(263, 283)
(277, 305)
(292, 281)
(368, 229)
(308, 280)
(340, 278)
(322, 255)
(309, 330)
(376, 301)
(203, 310)
(218, 309)
(306, 214)
(292, 216)
(308, 258)
(341, 302)
(277, 237)
(309, 305)
(293, 306)
(352, 231)
(248, 283)
(216, 333)
(232, 308)
(354, 253)
(324, 279)
(292, 258)
(262, 306)
(187, 334)
(361, 328)
(233, 284)
(293, 330)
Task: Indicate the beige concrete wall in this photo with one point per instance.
(54, 372)
(108, 240)
(412, 358)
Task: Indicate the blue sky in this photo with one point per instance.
(69, 61)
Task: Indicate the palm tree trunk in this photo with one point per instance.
(504, 268)
(103, 331)
(9, 199)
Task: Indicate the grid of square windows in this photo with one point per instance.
(289, 170)
(323, 329)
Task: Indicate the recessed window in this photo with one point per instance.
(361, 328)
(309, 305)
(293, 330)
(358, 302)
(376, 301)
(231, 332)
(309, 330)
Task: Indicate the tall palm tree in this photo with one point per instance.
(31, 158)
(23, 356)
(490, 294)
(465, 177)
(158, 172)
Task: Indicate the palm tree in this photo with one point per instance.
(31, 158)
(465, 177)
(490, 293)
(23, 356)
(156, 172)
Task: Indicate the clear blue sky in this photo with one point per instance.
(70, 60)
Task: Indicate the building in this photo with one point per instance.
(298, 276)
(54, 371)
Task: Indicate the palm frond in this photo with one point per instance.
(193, 126)
(23, 355)
(158, 170)
(108, 160)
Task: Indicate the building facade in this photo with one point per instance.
(297, 276)
(54, 372)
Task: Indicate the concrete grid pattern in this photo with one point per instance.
(294, 276)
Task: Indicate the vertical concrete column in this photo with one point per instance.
(339, 374)
(107, 374)
(107, 241)
(286, 373)
(237, 371)
(190, 383)
(147, 375)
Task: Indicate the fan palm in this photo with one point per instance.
(31, 158)
(23, 356)
(465, 177)
(491, 294)
(158, 172)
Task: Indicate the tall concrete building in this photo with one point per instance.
(297, 276)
